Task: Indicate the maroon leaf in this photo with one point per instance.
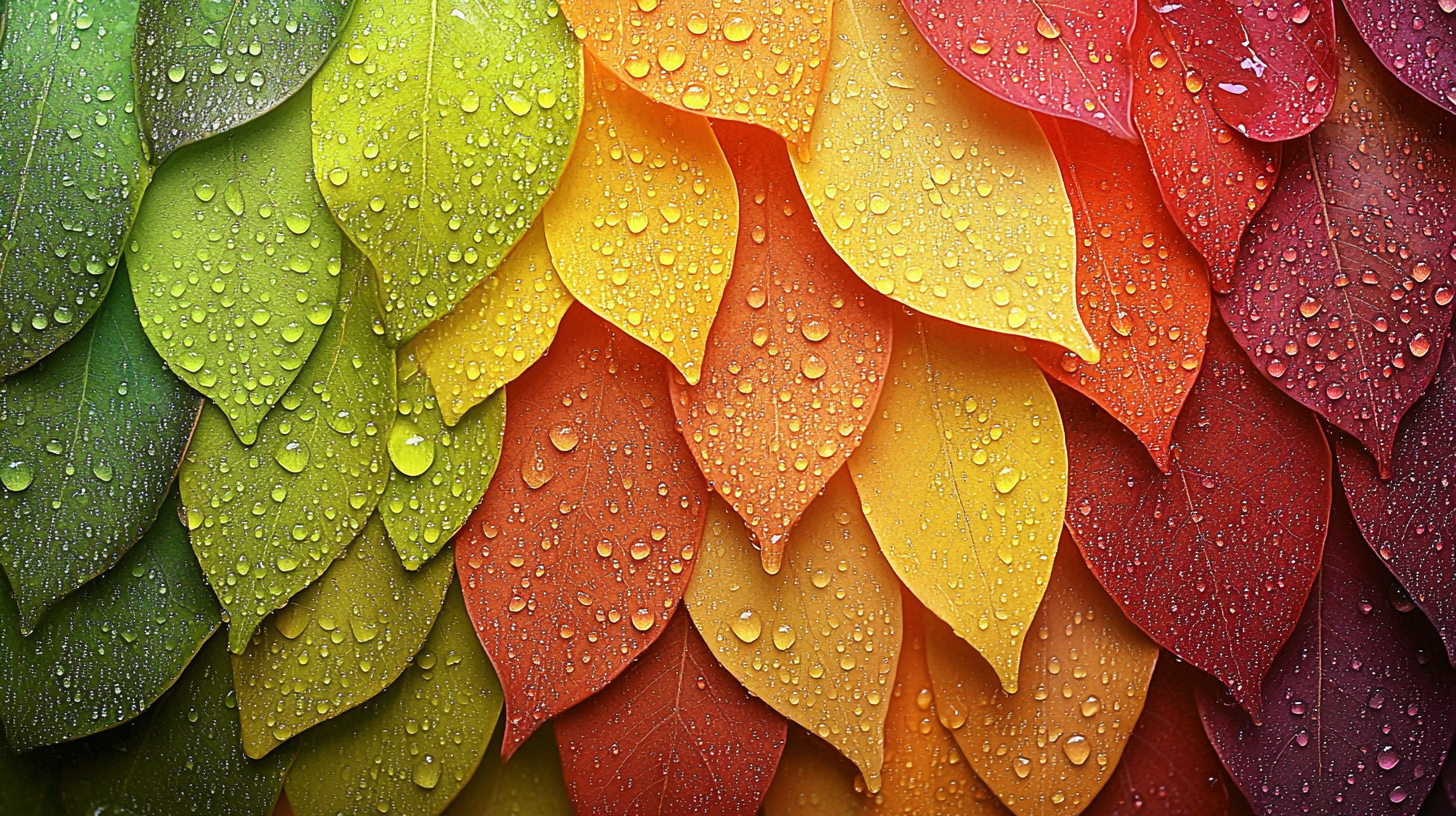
(675, 734)
(1415, 39)
(1214, 559)
(1359, 707)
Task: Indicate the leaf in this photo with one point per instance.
(412, 748)
(182, 758)
(933, 191)
(235, 264)
(1084, 678)
(1339, 288)
(198, 53)
(818, 641)
(498, 331)
(1356, 714)
(266, 521)
(963, 480)
(1411, 42)
(1212, 178)
(1214, 559)
(89, 444)
(437, 211)
(789, 388)
(29, 784)
(814, 779)
(656, 271)
(530, 784)
(338, 643)
(1270, 67)
(438, 473)
(716, 755)
(1143, 290)
(576, 558)
(74, 171)
(109, 650)
(1068, 59)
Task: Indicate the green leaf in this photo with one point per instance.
(74, 166)
(267, 520)
(29, 783)
(211, 65)
(90, 439)
(235, 263)
(412, 748)
(338, 643)
(182, 758)
(441, 130)
(109, 650)
(439, 473)
(531, 784)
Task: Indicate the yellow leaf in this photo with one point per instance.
(643, 227)
(497, 332)
(938, 194)
(813, 779)
(818, 641)
(760, 62)
(963, 477)
(1084, 678)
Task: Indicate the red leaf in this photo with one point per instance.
(576, 558)
(1214, 559)
(1412, 41)
(1212, 179)
(1270, 66)
(1065, 59)
(675, 734)
(1141, 289)
(1340, 283)
(1358, 708)
(796, 357)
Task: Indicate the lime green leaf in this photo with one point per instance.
(74, 166)
(412, 748)
(235, 263)
(90, 439)
(530, 784)
(268, 520)
(211, 65)
(440, 131)
(338, 643)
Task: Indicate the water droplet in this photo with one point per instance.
(737, 29)
(747, 626)
(411, 453)
(427, 773)
(1022, 766)
(565, 437)
(784, 637)
(1388, 758)
(1077, 749)
(696, 97)
(1007, 479)
(364, 631)
(16, 476)
(643, 619)
(1091, 706)
(292, 456)
(1047, 28)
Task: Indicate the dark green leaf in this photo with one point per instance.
(531, 784)
(29, 784)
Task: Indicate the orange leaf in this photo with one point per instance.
(577, 557)
(795, 360)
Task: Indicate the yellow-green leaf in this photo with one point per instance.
(644, 225)
(819, 640)
(440, 129)
(497, 331)
(937, 193)
(530, 784)
(963, 477)
(267, 520)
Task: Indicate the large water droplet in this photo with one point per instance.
(411, 453)
(747, 625)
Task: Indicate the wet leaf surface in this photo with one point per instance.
(1415, 40)
(814, 779)
(530, 784)
(29, 784)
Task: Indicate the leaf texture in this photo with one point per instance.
(29, 784)
(934, 192)
(530, 784)
(814, 779)
(1412, 42)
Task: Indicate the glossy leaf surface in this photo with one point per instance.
(1415, 40)
(439, 133)
(795, 361)
(530, 784)
(962, 476)
(577, 557)
(935, 193)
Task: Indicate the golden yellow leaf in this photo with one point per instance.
(1049, 748)
(643, 226)
(963, 477)
(813, 779)
(503, 326)
(938, 194)
(760, 62)
(818, 641)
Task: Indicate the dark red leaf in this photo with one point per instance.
(1415, 40)
(675, 734)
(1359, 707)
(1214, 559)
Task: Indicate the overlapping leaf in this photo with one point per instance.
(440, 131)
(643, 228)
(29, 784)
(795, 361)
(235, 263)
(1214, 559)
(74, 167)
(962, 477)
(813, 779)
(934, 192)
(577, 557)
(530, 784)
(1413, 42)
